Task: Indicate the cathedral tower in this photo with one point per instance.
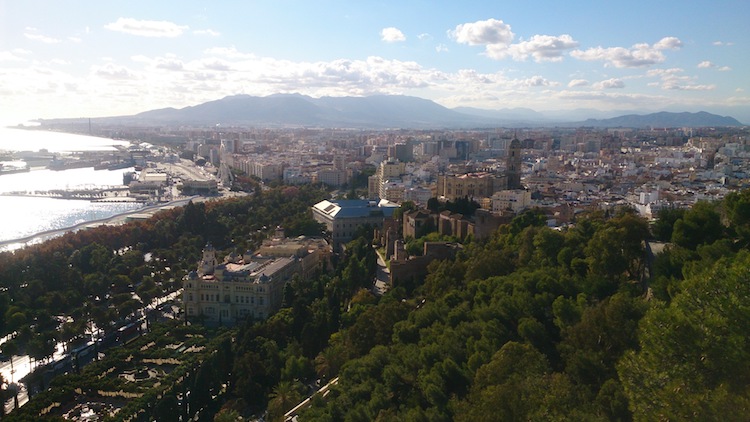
(513, 165)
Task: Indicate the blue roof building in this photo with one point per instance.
(343, 217)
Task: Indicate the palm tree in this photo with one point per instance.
(228, 415)
(283, 397)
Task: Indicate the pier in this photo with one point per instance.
(108, 194)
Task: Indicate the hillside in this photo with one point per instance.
(665, 120)
(379, 112)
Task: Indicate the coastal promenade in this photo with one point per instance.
(113, 220)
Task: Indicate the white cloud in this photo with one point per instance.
(612, 83)
(739, 90)
(113, 72)
(228, 52)
(15, 55)
(392, 34)
(209, 32)
(167, 63)
(578, 82)
(41, 38)
(441, 48)
(146, 28)
(216, 64)
(424, 36)
(710, 65)
(673, 79)
(536, 81)
(488, 32)
(721, 43)
(639, 55)
(497, 37)
(668, 43)
(75, 39)
(694, 87)
(543, 47)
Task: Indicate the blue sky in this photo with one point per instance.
(96, 58)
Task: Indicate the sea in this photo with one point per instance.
(25, 216)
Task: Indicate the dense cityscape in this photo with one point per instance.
(374, 211)
(416, 196)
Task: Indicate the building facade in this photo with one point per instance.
(514, 200)
(245, 287)
(342, 218)
(471, 185)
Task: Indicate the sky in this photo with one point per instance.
(99, 58)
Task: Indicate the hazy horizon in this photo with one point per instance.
(79, 59)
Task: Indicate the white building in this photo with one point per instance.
(515, 200)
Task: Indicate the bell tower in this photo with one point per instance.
(513, 164)
(208, 262)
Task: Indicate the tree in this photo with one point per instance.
(694, 359)
(284, 397)
(228, 415)
(664, 224)
(700, 225)
(737, 210)
(168, 409)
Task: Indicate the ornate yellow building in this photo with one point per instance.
(249, 286)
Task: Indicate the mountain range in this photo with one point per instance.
(383, 111)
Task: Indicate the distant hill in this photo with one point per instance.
(664, 119)
(290, 110)
(378, 111)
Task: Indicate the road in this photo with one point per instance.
(382, 277)
(323, 391)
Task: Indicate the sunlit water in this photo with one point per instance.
(35, 140)
(24, 216)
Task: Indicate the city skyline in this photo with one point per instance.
(77, 59)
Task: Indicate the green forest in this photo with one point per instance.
(577, 324)
(534, 323)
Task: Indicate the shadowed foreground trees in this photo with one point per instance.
(562, 328)
(694, 359)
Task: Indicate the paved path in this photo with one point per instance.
(382, 277)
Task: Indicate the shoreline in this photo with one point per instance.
(116, 219)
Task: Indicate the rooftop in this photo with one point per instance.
(354, 208)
